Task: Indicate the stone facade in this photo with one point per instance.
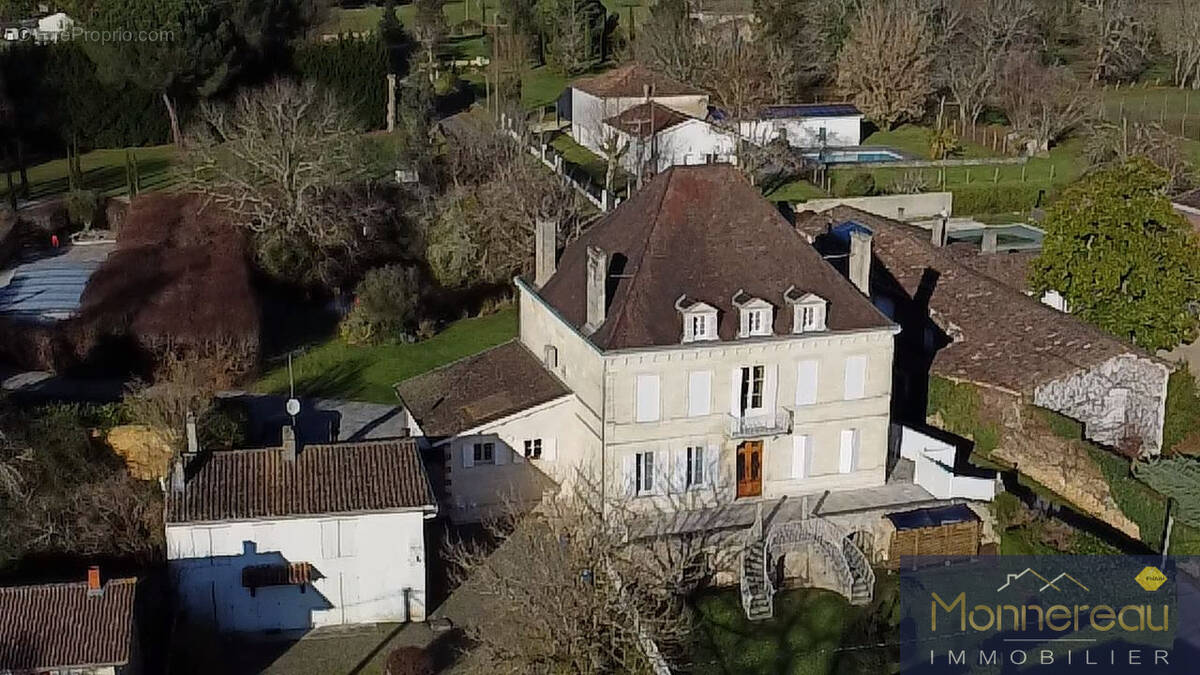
(1121, 398)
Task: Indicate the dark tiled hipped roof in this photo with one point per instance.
(59, 625)
(630, 80)
(1004, 338)
(646, 119)
(323, 479)
(702, 232)
(479, 389)
(1008, 267)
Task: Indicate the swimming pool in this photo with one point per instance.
(855, 156)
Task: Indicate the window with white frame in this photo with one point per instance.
(810, 317)
(533, 448)
(699, 323)
(485, 453)
(693, 475)
(756, 321)
(643, 478)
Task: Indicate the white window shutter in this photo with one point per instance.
(550, 449)
(856, 377)
(735, 393)
(699, 393)
(712, 464)
(500, 452)
(806, 382)
(468, 455)
(679, 463)
(629, 474)
(846, 450)
(647, 398)
(329, 539)
(662, 472)
(347, 534)
(770, 387)
(800, 453)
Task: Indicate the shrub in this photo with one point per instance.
(385, 305)
(408, 661)
(989, 198)
(861, 184)
(82, 207)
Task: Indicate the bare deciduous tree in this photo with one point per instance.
(285, 160)
(975, 51)
(1119, 35)
(886, 64)
(1042, 102)
(670, 42)
(583, 583)
(1179, 35)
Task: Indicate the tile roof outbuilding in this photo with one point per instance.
(63, 626)
(336, 478)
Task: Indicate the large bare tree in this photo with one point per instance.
(1179, 35)
(587, 582)
(1119, 34)
(285, 160)
(1042, 102)
(886, 64)
(974, 51)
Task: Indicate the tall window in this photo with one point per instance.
(485, 453)
(699, 326)
(694, 471)
(644, 472)
(752, 387)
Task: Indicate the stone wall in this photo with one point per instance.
(1121, 398)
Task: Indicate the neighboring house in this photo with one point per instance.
(290, 539)
(689, 347)
(73, 628)
(54, 27)
(655, 137)
(961, 324)
(816, 125)
(598, 98)
(1188, 205)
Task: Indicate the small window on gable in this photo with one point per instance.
(699, 320)
(756, 315)
(808, 310)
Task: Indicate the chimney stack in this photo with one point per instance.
(545, 249)
(597, 273)
(940, 226)
(177, 476)
(860, 260)
(93, 581)
(990, 241)
(193, 440)
(288, 442)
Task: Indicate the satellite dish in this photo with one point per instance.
(293, 407)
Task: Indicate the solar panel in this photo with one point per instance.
(46, 288)
(810, 110)
(842, 230)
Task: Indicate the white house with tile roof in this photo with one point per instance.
(292, 538)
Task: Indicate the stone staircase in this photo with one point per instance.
(856, 579)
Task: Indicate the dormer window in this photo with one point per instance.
(756, 315)
(808, 311)
(699, 320)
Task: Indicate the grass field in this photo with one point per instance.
(1178, 110)
(103, 171)
(335, 369)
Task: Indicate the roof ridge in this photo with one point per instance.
(65, 584)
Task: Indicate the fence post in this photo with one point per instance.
(968, 175)
(1023, 173)
(1052, 172)
(996, 176)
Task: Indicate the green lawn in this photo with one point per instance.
(103, 170)
(338, 370)
(580, 159)
(1178, 110)
(796, 191)
(806, 636)
(541, 87)
(914, 140)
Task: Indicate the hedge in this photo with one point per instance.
(976, 199)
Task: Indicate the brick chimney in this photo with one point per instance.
(597, 275)
(288, 442)
(545, 249)
(860, 260)
(94, 586)
(193, 439)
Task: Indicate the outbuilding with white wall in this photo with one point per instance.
(287, 539)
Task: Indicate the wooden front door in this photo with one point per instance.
(749, 469)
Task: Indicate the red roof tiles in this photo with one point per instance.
(323, 479)
(54, 626)
(631, 80)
